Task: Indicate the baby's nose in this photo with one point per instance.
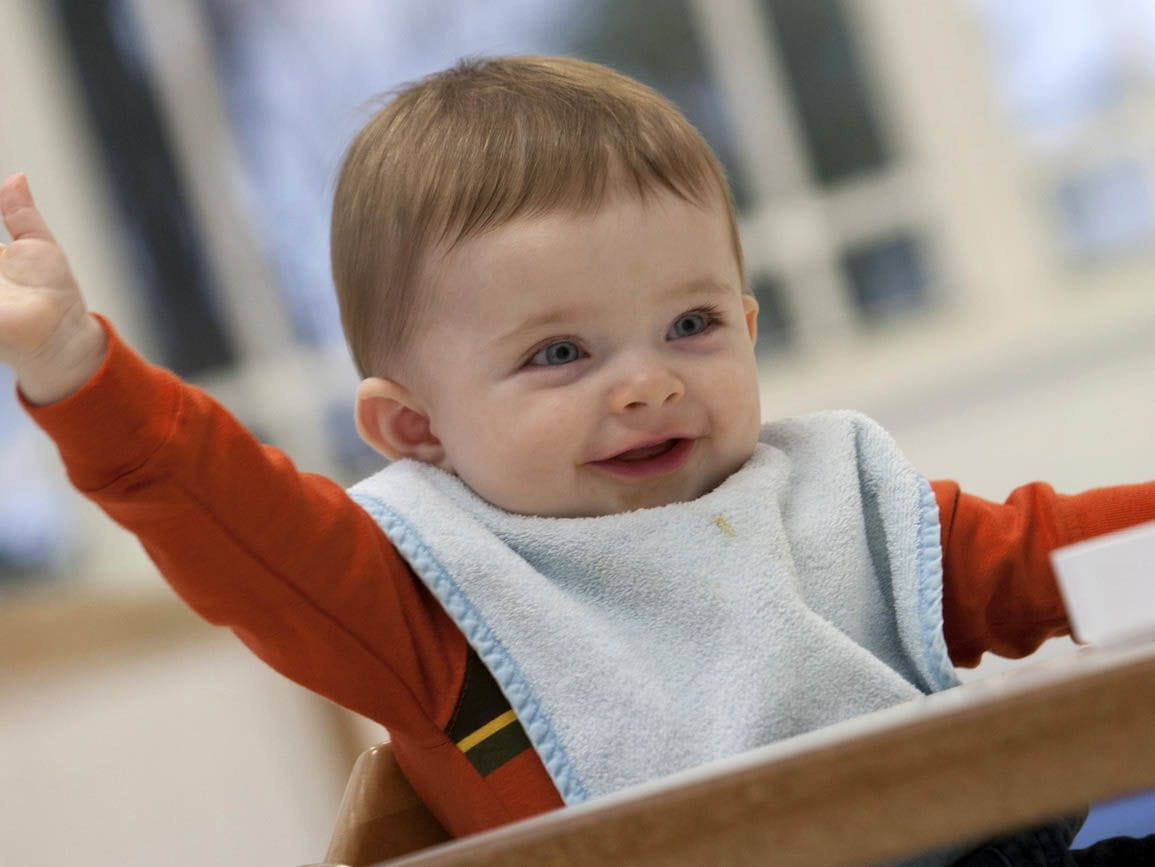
(648, 384)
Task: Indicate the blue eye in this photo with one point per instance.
(689, 324)
(559, 352)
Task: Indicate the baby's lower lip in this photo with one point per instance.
(662, 461)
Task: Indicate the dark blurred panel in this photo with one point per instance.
(775, 323)
(829, 88)
(160, 234)
(656, 42)
(886, 277)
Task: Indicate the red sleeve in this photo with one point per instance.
(999, 593)
(301, 573)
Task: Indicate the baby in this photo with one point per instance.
(588, 564)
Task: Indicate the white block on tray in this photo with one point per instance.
(1108, 584)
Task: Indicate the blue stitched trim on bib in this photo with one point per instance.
(501, 664)
(934, 649)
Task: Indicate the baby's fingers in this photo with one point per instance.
(21, 217)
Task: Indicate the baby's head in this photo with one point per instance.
(541, 281)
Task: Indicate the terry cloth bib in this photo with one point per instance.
(804, 590)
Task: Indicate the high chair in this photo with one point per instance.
(380, 816)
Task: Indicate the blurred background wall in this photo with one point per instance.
(948, 210)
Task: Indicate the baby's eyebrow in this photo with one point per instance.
(698, 286)
(543, 320)
(556, 316)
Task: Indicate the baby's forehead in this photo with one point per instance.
(628, 244)
(525, 230)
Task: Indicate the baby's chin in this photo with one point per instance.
(618, 504)
(627, 499)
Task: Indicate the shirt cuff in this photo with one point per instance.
(116, 421)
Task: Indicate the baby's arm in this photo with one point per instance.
(285, 559)
(999, 590)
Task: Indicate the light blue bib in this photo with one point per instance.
(804, 590)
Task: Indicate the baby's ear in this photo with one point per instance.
(750, 308)
(392, 422)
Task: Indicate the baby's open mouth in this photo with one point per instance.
(646, 453)
(649, 461)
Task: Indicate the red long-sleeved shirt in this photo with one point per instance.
(313, 586)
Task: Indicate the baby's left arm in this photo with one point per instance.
(999, 591)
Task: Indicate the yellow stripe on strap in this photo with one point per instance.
(490, 728)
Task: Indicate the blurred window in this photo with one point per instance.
(829, 88)
(156, 223)
(886, 277)
(657, 42)
(1076, 79)
(1055, 63)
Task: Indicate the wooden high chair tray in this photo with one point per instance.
(1009, 751)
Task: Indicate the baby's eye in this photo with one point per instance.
(558, 352)
(689, 324)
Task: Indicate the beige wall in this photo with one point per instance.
(189, 755)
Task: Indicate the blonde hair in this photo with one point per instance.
(478, 145)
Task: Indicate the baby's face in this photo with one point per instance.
(583, 365)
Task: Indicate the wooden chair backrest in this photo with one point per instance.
(380, 816)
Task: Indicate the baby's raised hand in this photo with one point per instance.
(46, 334)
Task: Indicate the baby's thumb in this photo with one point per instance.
(20, 215)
